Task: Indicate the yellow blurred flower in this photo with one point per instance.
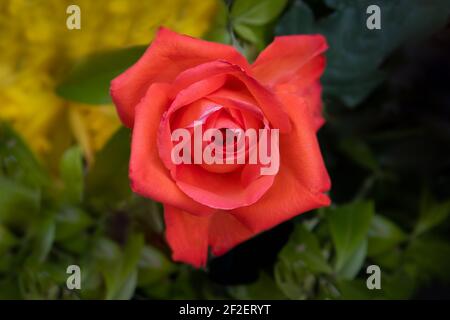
(37, 49)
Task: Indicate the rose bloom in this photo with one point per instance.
(180, 80)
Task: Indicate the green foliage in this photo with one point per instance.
(101, 185)
(47, 224)
(357, 53)
(88, 215)
(71, 172)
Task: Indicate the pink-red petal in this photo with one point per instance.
(148, 175)
(168, 55)
(288, 57)
(302, 180)
(190, 236)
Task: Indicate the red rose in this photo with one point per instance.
(181, 82)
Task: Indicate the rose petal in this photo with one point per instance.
(148, 175)
(221, 191)
(168, 55)
(265, 99)
(302, 178)
(189, 236)
(287, 58)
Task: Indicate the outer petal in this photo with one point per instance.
(226, 232)
(168, 55)
(149, 177)
(302, 178)
(312, 94)
(189, 236)
(287, 58)
(313, 97)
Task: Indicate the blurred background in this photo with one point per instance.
(64, 191)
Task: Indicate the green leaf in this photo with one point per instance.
(7, 239)
(337, 4)
(18, 162)
(354, 263)
(71, 171)
(357, 150)
(253, 34)
(303, 248)
(431, 214)
(264, 288)
(298, 19)
(349, 225)
(89, 80)
(153, 266)
(118, 267)
(300, 263)
(10, 289)
(430, 255)
(218, 32)
(70, 222)
(356, 290)
(399, 285)
(384, 235)
(296, 281)
(256, 12)
(107, 180)
(41, 240)
(18, 203)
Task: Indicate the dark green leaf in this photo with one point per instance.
(219, 32)
(356, 53)
(118, 267)
(384, 235)
(7, 239)
(359, 152)
(71, 170)
(431, 214)
(264, 288)
(356, 290)
(17, 162)
(431, 256)
(353, 264)
(153, 266)
(253, 34)
(349, 225)
(89, 80)
(70, 222)
(107, 181)
(303, 248)
(18, 203)
(256, 12)
(298, 19)
(296, 281)
(41, 240)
